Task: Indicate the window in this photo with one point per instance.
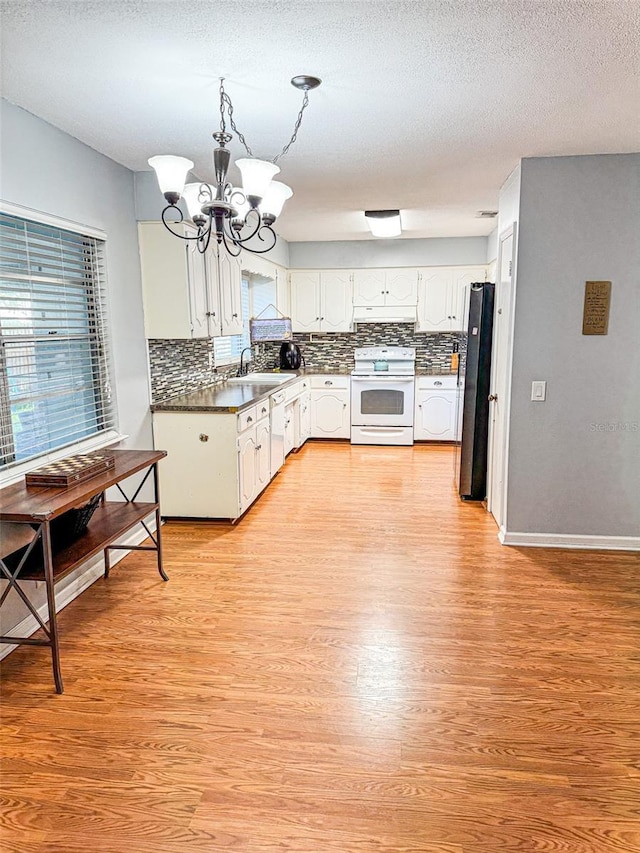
(258, 292)
(54, 364)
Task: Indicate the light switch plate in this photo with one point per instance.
(538, 391)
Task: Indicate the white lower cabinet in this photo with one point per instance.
(330, 407)
(217, 464)
(435, 409)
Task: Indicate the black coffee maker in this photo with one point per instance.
(290, 356)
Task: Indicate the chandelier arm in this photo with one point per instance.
(167, 224)
(204, 236)
(273, 241)
(227, 247)
(294, 135)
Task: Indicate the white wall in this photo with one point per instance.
(389, 253)
(47, 170)
(574, 461)
(150, 202)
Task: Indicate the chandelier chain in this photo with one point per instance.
(296, 128)
(225, 101)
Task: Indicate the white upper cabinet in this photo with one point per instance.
(174, 287)
(230, 289)
(443, 297)
(369, 287)
(390, 287)
(336, 305)
(401, 287)
(321, 301)
(305, 301)
(187, 294)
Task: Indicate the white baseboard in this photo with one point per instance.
(570, 540)
(93, 570)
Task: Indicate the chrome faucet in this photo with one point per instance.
(243, 369)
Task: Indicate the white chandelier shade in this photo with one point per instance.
(171, 172)
(256, 176)
(276, 195)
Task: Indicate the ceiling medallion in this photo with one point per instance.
(234, 215)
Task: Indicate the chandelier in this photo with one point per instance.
(235, 216)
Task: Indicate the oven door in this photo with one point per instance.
(382, 401)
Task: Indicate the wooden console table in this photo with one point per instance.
(38, 506)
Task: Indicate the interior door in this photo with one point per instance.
(500, 377)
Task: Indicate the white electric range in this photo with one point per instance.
(382, 394)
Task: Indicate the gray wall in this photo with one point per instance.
(46, 170)
(150, 201)
(389, 253)
(574, 461)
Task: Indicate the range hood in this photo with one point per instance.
(384, 314)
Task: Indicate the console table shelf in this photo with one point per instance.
(38, 506)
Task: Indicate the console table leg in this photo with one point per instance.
(156, 488)
(107, 564)
(51, 605)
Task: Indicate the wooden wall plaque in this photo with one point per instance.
(597, 301)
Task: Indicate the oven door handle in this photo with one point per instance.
(397, 380)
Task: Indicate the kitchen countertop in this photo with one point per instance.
(231, 397)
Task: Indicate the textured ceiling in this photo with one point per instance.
(424, 106)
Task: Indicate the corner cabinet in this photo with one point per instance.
(321, 300)
(443, 297)
(187, 294)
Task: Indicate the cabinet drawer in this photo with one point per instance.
(436, 383)
(247, 418)
(296, 389)
(332, 382)
(262, 409)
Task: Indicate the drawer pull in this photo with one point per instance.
(249, 419)
(328, 382)
(204, 437)
(437, 383)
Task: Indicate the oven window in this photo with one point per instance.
(380, 401)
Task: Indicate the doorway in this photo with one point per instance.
(500, 390)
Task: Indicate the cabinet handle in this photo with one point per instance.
(203, 437)
(249, 419)
(344, 405)
(382, 291)
(258, 447)
(234, 315)
(322, 318)
(264, 409)
(328, 382)
(317, 318)
(437, 383)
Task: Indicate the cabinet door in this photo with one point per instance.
(435, 416)
(247, 474)
(165, 289)
(230, 278)
(369, 287)
(197, 286)
(434, 300)
(213, 294)
(402, 287)
(263, 455)
(336, 301)
(462, 280)
(289, 428)
(305, 418)
(330, 416)
(305, 301)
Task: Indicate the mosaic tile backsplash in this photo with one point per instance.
(178, 366)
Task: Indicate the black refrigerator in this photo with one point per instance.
(473, 396)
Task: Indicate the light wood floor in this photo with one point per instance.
(357, 667)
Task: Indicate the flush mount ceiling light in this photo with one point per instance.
(384, 223)
(235, 215)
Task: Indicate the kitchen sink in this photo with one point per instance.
(264, 378)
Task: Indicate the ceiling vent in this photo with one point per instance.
(486, 214)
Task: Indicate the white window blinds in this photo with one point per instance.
(54, 361)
